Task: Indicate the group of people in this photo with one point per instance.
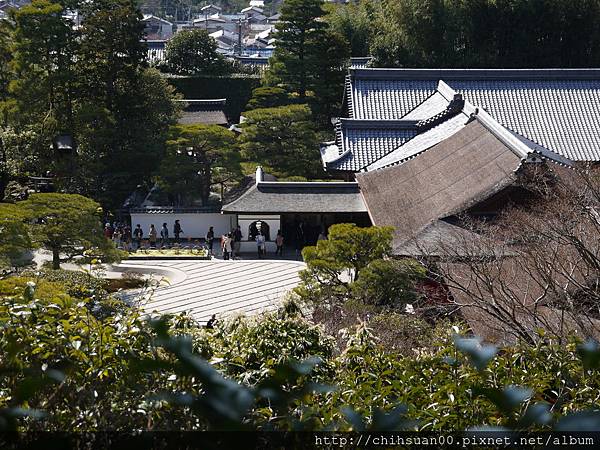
(230, 243)
(128, 240)
(120, 234)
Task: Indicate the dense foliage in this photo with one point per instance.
(194, 52)
(237, 89)
(198, 157)
(309, 59)
(67, 368)
(80, 106)
(481, 33)
(67, 225)
(283, 139)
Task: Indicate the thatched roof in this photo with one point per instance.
(447, 179)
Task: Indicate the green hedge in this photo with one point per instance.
(236, 89)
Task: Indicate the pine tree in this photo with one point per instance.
(299, 31)
(310, 59)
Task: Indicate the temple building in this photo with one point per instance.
(420, 148)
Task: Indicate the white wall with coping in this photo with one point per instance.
(194, 225)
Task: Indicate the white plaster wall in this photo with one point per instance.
(193, 225)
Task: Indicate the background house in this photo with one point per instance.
(157, 29)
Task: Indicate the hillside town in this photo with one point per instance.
(317, 219)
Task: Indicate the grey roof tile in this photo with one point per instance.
(558, 109)
(361, 142)
(382, 99)
(430, 107)
(560, 115)
(309, 197)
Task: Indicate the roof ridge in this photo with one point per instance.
(454, 107)
(379, 123)
(476, 74)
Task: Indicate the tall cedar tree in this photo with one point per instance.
(298, 32)
(41, 89)
(307, 52)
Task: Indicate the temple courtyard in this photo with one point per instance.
(224, 288)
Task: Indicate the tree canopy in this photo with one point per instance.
(310, 59)
(65, 224)
(80, 104)
(283, 139)
(194, 52)
(474, 33)
(198, 157)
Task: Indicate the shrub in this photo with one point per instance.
(389, 283)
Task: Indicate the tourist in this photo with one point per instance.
(279, 243)
(126, 238)
(177, 231)
(260, 243)
(108, 231)
(210, 238)
(226, 245)
(322, 236)
(138, 234)
(211, 322)
(164, 236)
(116, 238)
(152, 236)
(237, 242)
(300, 238)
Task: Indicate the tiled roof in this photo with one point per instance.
(362, 141)
(558, 109)
(155, 50)
(421, 142)
(359, 62)
(561, 115)
(216, 207)
(207, 112)
(382, 99)
(305, 197)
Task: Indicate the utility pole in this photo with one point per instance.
(240, 37)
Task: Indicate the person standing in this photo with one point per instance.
(300, 237)
(226, 246)
(210, 239)
(138, 234)
(237, 242)
(164, 236)
(117, 236)
(260, 243)
(108, 231)
(279, 243)
(152, 236)
(177, 231)
(211, 322)
(126, 238)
